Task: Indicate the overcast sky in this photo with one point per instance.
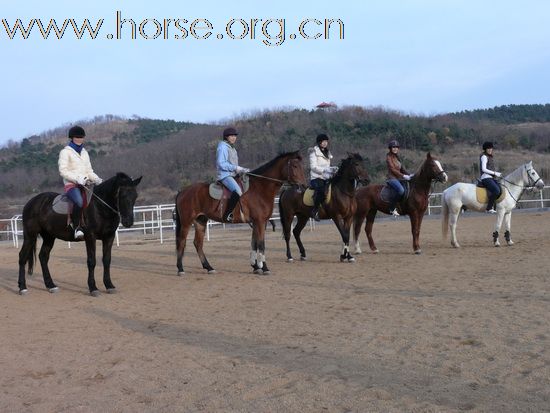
(421, 56)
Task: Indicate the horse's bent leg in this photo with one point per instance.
(358, 220)
(107, 248)
(181, 241)
(302, 221)
(344, 227)
(507, 227)
(200, 231)
(453, 218)
(498, 224)
(416, 223)
(25, 255)
(260, 249)
(90, 249)
(286, 223)
(44, 256)
(368, 230)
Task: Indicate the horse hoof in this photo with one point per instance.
(257, 271)
(211, 271)
(267, 272)
(24, 291)
(351, 259)
(53, 290)
(358, 252)
(418, 252)
(303, 258)
(290, 260)
(510, 243)
(111, 290)
(95, 293)
(455, 245)
(181, 273)
(376, 251)
(497, 244)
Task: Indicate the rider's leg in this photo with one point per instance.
(400, 191)
(493, 191)
(236, 193)
(75, 196)
(318, 186)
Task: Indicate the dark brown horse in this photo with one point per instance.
(340, 208)
(195, 206)
(415, 205)
(112, 202)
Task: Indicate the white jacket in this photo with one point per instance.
(319, 164)
(74, 167)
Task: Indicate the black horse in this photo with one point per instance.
(112, 202)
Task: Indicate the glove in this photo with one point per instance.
(407, 177)
(81, 180)
(98, 181)
(241, 170)
(334, 169)
(498, 174)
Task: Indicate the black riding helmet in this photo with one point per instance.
(76, 132)
(487, 145)
(229, 131)
(393, 144)
(321, 137)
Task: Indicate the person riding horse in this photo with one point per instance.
(227, 165)
(488, 175)
(76, 170)
(320, 171)
(396, 171)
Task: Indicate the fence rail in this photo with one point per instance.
(156, 220)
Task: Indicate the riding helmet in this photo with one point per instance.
(487, 145)
(76, 132)
(229, 131)
(393, 144)
(321, 137)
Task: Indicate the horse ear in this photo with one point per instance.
(428, 155)
(136, 182)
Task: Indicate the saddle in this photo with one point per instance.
(307, 198)
(483, 198)
(388, 194)
(218, 191)
(63, 205)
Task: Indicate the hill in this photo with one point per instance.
(171, 154)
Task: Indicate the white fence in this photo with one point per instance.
(155, 220)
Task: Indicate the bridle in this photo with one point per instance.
(116, 211)
(531, 185)
(281, 181)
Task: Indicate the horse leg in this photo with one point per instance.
(44, 257)
(358, 220)
(416, 223)
(344, 229)
(107, 245)
(181, 241)
(260, 250)
(200, 231)
(254, 250)
(368, 230)
(498, 224)
(302, 221)
(26, 255)
(507, 226)
(286, 223)
(453, 218)
(90, 249)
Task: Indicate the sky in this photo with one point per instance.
(417, 56)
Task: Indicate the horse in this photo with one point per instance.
(340, 208)
(463, 195)
(195, 206)
(112, 202)
(369, 202)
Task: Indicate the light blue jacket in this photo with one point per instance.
(227, 160)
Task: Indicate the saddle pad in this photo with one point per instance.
(481, 195)
(217, 190)
(308, 196)
(387, 193)
(61, 204)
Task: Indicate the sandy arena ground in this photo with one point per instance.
(449, 330)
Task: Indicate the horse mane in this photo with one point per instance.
(263, 168)
(343, 164)
(110, 185)
(424, 165)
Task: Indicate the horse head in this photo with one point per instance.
(432, 169)
(295, 174)
(353, 168)
(126, 195)
(532, 177)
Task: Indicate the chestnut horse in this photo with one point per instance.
(369, 202)
(195, 206)
(112, 202)
(340, 208)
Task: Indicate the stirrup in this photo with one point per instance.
(491, 211)
(394, 212)
(78, 234)
(229, 218)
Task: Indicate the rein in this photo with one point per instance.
(523, 187)
(103, 202)
(274, 179)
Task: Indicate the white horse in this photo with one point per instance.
(462, 195)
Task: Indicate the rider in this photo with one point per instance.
(76, 170)
(320, 171)
(488, 175)
(227, 165)
(396, 171)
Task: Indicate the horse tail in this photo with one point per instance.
(444, 216)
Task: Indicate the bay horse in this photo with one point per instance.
(369, 203)
(463, 196)
(340, 208)
(112, 202)
(195, 206)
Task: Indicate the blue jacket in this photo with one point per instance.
(226, 160)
